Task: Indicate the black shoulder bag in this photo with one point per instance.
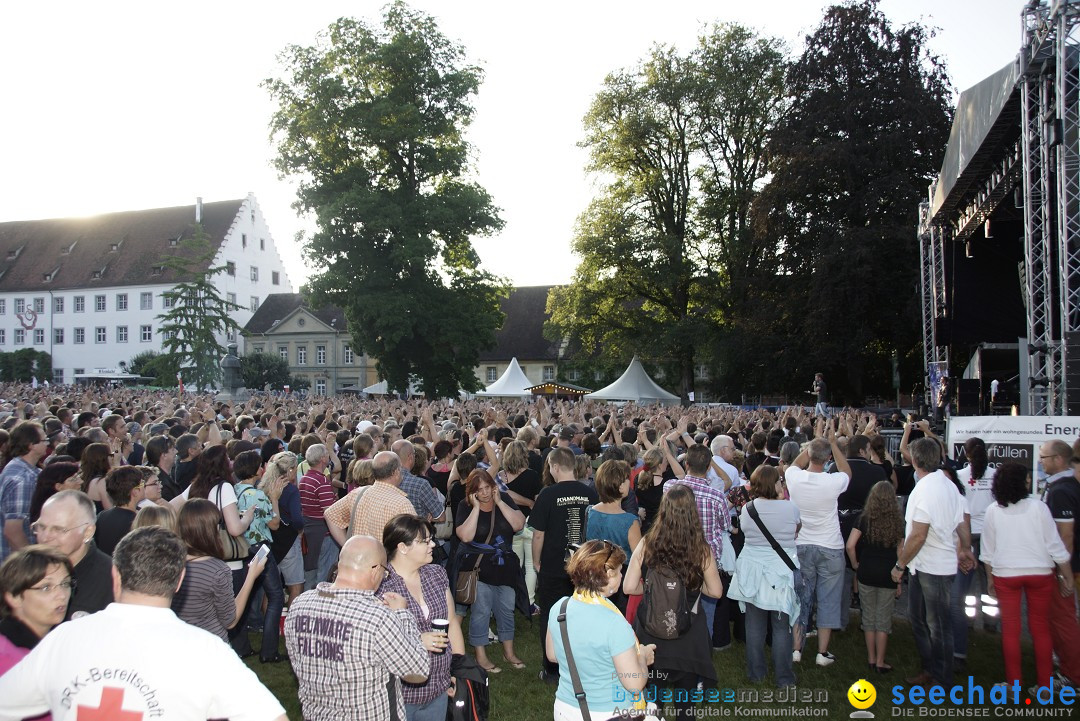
(769, 537)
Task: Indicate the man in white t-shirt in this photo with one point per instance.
(820, 544)
(723, 449)
(934, 520)
(124, 663)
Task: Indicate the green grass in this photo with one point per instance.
(520, 695)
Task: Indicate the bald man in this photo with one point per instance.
(347, 643)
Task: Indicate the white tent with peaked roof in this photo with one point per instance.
(634, 385)
(512, 384)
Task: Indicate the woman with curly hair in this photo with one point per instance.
(676, 542)
(873, 547)
(1021, 549)
(764, 583)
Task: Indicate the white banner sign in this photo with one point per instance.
(1012, 438)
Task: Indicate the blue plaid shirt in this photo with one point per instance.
(17, 484)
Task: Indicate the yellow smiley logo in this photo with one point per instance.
(861, 694)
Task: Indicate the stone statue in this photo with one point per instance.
(232, 388)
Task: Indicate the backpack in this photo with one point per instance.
(472, 700)
(665, 612)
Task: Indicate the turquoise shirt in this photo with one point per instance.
(259, 530)
(597, 635)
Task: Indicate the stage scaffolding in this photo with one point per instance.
(1044, 168)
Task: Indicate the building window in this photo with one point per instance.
(230, 298)
(320, 387)
(258, 348)
(146, 301)
(99, 303)
(254, 303)
(231, 336)
(549, 373)
(347, 354)
(168, 334)
(121, 334)
(597, 375)
(301, 356)
(80, 303)
(167, 301)
(99, 334)
(243, 240)
(121, 301)
(80, 335)
(320, 355)
(262, 243)
(492, 376)
(39, 305)
(79, 371)
(3, 306)
(146, 333)
(283, 351)
(20, 305)
(58, 376)
(525, 370)
(275, 277)
(254, 273)
(3, 336)
(20, 336)
(39, 336)
(574, 374)
(230, 268)
(58, 336)
(701, 372)
(58, 304)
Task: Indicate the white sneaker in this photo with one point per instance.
(825, 659)
(796, 656)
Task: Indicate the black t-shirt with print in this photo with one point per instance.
(559, 512)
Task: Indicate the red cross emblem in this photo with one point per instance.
(109, 708)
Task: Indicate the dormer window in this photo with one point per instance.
(173, 242)
(157, 270)
(48, 277)
(67, 250)
(97, 275)
(13, 254)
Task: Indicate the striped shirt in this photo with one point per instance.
(205, 598)
(712, 506)
(348, 651)
(316, 494)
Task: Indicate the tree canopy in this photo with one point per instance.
(666, 249)
(259, 370)
(370, 122)
(869, 118)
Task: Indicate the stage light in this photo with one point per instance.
(1018, 197)
(986, 229)
(967, 250)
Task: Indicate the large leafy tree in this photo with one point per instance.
(867, 127)
(666, 249)
(261, 369)
(370, 121)
(195, 316)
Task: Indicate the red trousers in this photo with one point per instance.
(1066, 634)
(1040, 591)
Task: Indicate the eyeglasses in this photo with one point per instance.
(148, 485)
(40, 529)
(386, 571)
(423, 541)
(66, 586)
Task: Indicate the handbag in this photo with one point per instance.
(769, 537)
(444, 529)
(465, 582)
(236, 548)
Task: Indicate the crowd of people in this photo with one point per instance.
(380, 535)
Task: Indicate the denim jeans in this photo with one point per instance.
(270, 582)
(929, 601)
(823, 578)
(756, 668)
(845, 596)
(328, 556)
(961, 588)
(491, 599)
(433, 710)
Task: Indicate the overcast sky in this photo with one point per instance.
(124, 105)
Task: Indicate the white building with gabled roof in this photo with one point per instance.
(88, 290)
